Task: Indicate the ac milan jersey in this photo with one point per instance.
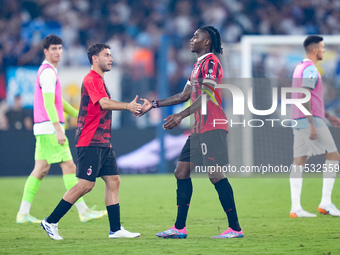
(208, 71)
(94, 123)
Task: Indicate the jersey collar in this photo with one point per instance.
(48, 63)
(97, 74)
(202, 57)
(307, 60)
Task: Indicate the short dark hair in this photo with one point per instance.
(311, 39)
(51, 39)
(95, 49)
(215, 39)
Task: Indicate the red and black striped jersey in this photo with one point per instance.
(207, 71)
(94, 123)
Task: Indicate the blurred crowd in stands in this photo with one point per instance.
(133, 29)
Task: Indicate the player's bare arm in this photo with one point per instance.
(313, 132)
(59, 133)
(174, 120)
(109, 104)
(178, 98)
(175, 99)
(335, 121)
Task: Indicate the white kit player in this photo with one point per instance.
(311, 134)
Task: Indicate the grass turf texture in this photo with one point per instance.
(148, 205)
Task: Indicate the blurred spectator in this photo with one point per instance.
(17, 118)
(81, 22)
(183, 20)
(133, 29)
(3, 119)
(76, 54)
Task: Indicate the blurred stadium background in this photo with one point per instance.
(149, 44)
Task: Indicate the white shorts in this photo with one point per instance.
(303, 146)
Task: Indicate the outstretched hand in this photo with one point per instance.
(147, 106)
(133, 106)
(172, 121)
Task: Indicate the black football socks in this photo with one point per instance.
(113, 212)
(61, 209)
(226, 196)
(184, 192)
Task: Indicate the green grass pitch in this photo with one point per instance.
(148, 205)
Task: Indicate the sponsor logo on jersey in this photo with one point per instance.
(210, 76)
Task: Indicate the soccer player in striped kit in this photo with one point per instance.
(311, 134)
(51, 143)
(207, 144)
(96, 156)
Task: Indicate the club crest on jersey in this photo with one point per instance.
(194, 83)
(89, 171)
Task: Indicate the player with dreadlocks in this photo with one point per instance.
(207, 144)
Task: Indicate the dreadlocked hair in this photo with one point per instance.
(215, 39)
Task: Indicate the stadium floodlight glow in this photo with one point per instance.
(238, 100)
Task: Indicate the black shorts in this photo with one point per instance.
(96, 161)
(207, 149)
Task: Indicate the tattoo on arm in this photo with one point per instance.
(178, 98)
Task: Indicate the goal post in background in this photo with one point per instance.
(259, 62)
(249, 42)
